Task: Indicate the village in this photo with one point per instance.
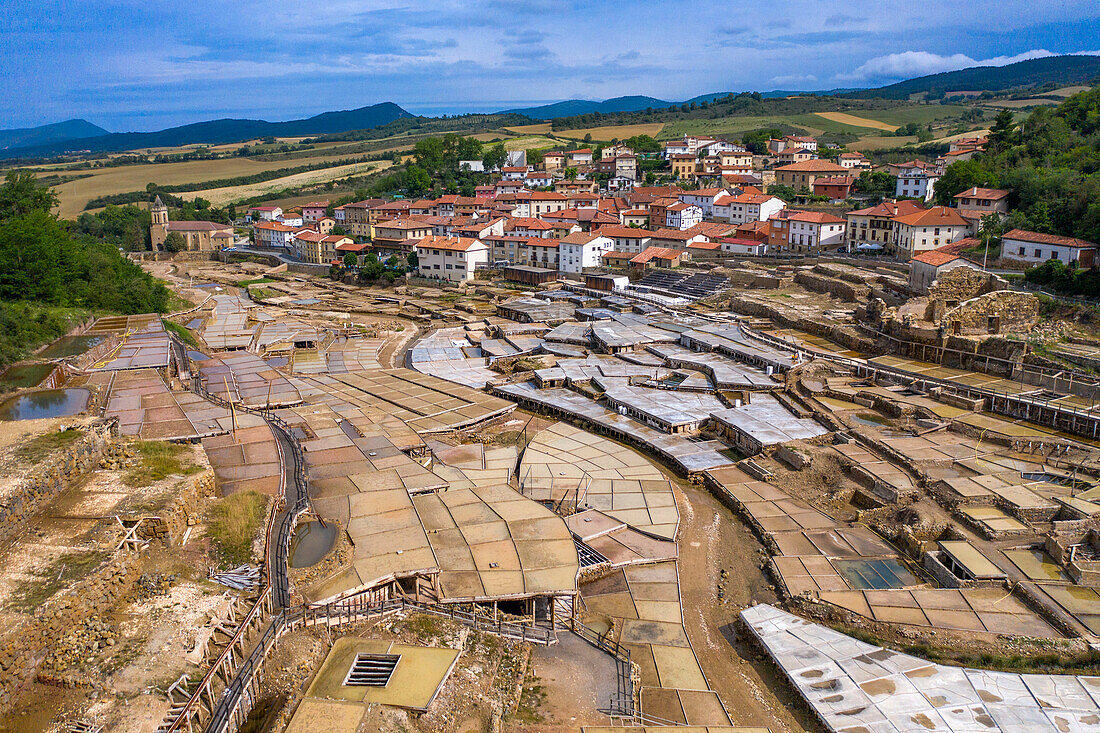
(581, 213)
(486, 410)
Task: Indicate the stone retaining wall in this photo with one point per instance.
(49, 480)
(96, 595)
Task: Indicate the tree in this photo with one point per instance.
(588, 137)
(989, 226)
(351, 260)
(413, 260)
(960, 176)
(876, 184)
(494, 158)
(21, 194)
(1001, 131)
(134, 238)
(338, 230)
(417, 180)
(570, 174)
(392, 262)
(174, 242)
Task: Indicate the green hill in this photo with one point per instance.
(1060, 70)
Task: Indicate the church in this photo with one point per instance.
(198, 235)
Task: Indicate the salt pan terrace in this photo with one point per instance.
(246, 378)
(147, 348)
(855, 687)
(688, 456)
(147, 409)
(460, 529)
(564, 465)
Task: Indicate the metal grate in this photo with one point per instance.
(587, 555)
(372, 670)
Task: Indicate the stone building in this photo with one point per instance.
(204, 236)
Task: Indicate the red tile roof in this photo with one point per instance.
(1022, 235)
(454, 244)
(652, 253)
(992, 194)
(937, 216)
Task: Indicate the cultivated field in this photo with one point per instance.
(847, 119)
(229, 194)
(1022, 103)
(540, 129)
(75, 194)
(608, 132)
(880, 142)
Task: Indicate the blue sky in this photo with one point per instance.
(129, 65)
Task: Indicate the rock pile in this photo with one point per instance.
(150, 585)
(79, 646)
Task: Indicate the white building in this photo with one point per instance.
(738, 246)
(917, 180)
(292, 220)
(265, 213)
(746, 207)
(580, 250)
(626, 239)
(813, 231)
(681, 215)
(1035, 248)
(927, 266)
(450, 258)
(704, 198)
(273, 234)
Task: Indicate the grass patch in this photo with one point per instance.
(177, 303)
(40, 446)
(262, 293)
(254, 281)
(423, 626)
(183, 332)
(62, 572)
(233, 523)
(158, 460)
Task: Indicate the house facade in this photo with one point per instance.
(1033, 248)
(450, 258)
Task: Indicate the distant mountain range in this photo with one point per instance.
(81, 135)
(47, 134)
(1064, 70)
(214, 132)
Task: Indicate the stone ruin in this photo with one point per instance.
(965, 301)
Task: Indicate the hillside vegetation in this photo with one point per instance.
(1050, 162)
(48, 276)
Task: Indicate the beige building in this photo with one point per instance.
(198, 236)
(801, 176)
(318, 248)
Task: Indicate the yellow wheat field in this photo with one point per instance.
(846, 119)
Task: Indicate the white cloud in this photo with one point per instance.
(908, 64)
(793, 80)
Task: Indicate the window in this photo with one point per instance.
(1038, 252)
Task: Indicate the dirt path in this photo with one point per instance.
(712, 539)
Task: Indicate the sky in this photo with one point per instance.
(128, 65)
